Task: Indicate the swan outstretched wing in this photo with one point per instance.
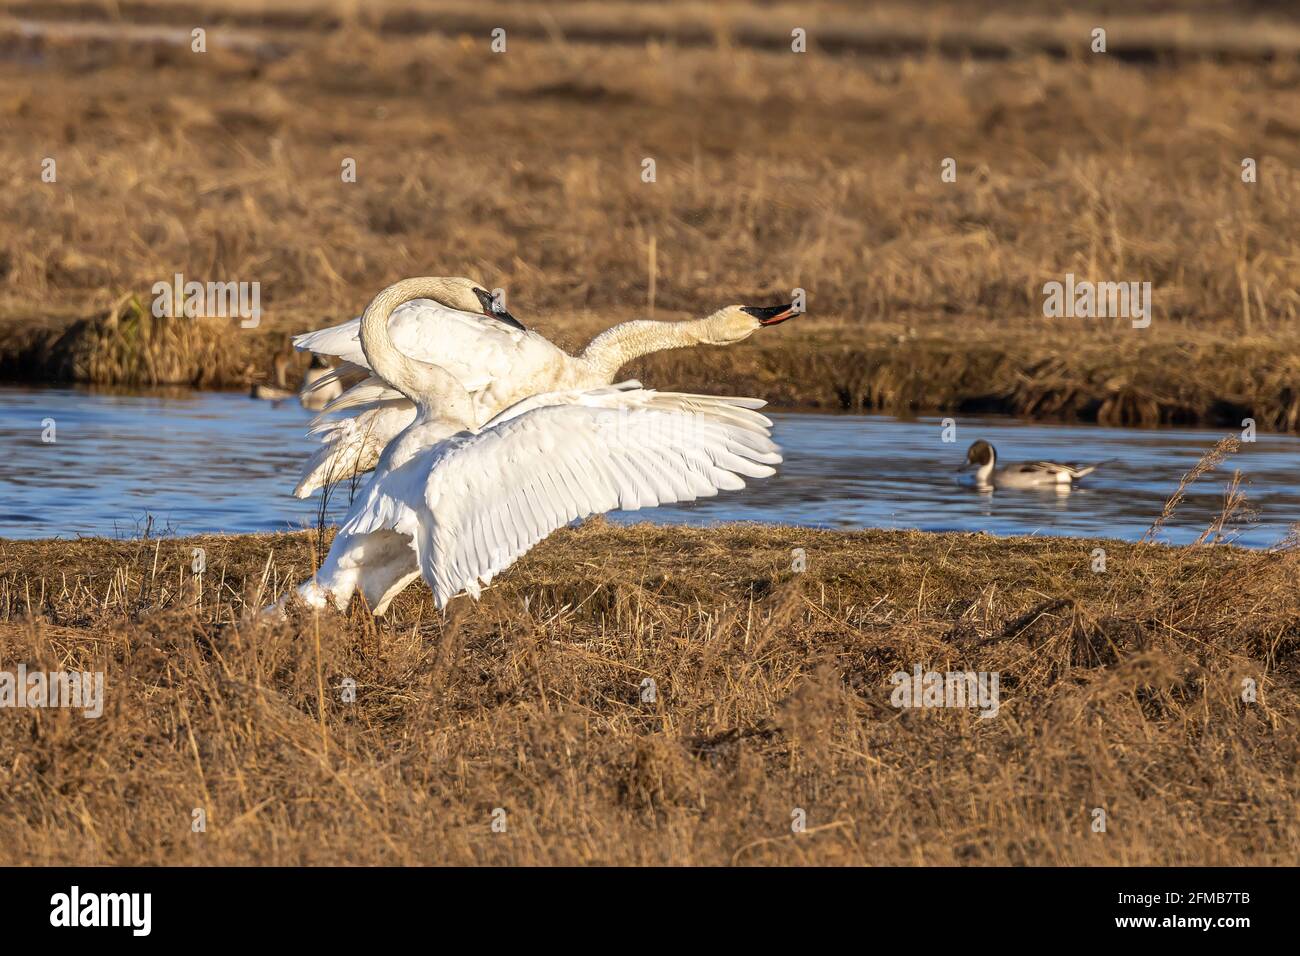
(491, 496)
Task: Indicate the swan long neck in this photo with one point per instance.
(615, 347)
(424, 384)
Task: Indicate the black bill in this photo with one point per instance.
(770, 315)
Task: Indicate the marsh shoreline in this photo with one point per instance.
(1195, 378)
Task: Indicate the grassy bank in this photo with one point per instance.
(1194, 378)
(773, 171)
(1120, 690)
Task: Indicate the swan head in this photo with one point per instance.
(459, 293)
(979, 455)
(470, 295)
(736, 323)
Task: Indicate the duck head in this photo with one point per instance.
(980, 455)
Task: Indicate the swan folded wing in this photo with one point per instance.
(492, 496)
(344, 340)
(470, 346)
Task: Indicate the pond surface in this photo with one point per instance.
(183, 463)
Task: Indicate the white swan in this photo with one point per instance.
(458, 506)
(453, 308)
(498, 363)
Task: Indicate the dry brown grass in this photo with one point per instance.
(1120, 690)
(774, 171)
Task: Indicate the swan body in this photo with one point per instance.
(496, 363)
(983, 457)
(458, 504)
(489, 358)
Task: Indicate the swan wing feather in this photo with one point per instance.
(352, 446)
(491, 496)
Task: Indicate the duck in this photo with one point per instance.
(279, 391)
(457, 503)
(494, 356)
(983, 457)
(312, 396)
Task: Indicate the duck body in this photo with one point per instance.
(269, 393)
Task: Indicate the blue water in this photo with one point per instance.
(121, 464)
